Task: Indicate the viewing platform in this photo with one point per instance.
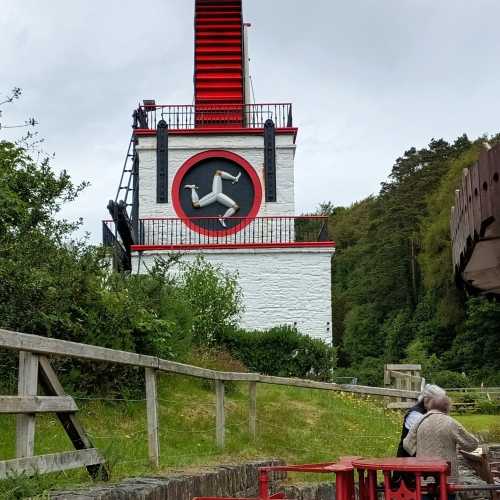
(241, 232)
(206, 118)
(217, 178)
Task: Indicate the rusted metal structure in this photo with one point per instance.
(475, 226)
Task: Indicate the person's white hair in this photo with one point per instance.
(431, 391)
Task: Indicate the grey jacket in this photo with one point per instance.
(438, 435)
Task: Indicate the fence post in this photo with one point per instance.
(152, 413)
(27, 386)
(219, 413)
(252, 390)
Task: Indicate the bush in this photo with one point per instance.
(448, 379)
(488, 407)
(214, 297)
(369, 372)
(281, 351)
(217, 359)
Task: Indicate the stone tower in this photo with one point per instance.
(217, 178)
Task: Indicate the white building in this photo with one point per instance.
(217, 178)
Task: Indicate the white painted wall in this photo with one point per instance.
(183, 147)
(284, 286)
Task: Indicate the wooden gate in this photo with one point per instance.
(403, 376)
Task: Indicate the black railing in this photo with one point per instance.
(259, 231)
(185, 117)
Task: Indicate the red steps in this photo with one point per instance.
(219, 86)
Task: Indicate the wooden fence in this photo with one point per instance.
(403, 376)
(408, 376)
(471, 399)
(35, 367)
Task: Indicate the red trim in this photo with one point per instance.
(235, 246)
(216, 153)
(143, 132)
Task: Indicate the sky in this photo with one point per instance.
(368, 80)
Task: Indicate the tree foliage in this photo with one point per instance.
(281, 351)
(53, 285)
(394, 297)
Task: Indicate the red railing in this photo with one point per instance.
(185, 117)
(230, 232)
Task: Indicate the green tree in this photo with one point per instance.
(215, 300)
(392, 279)
(362, 337)
(476, 348)
(398, 332)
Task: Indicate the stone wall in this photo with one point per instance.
(228, 480)
(225, 480)
(324, 491)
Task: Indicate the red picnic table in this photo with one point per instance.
(415, 468)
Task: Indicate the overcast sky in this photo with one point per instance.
(368, 79)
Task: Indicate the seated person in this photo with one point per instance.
(415, 413)
(437, 435)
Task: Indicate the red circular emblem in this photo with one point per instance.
(216, 193)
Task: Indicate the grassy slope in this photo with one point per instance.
(298, 425)
(485, 426)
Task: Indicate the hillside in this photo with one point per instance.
(298, 425)
(394, 296)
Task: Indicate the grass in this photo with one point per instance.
(298, 425)
(487, 427)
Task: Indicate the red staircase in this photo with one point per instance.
(218, 74)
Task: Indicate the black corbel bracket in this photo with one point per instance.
(162, 162)
(270, 160)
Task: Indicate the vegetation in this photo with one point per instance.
(281, 351)
(298, 425)
(394, 297)
(486, 427)
(54, 285)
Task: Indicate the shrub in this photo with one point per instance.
(488, 407)
(217, 359)
(368, 372)
(448, 379)
(214, 298)
(281, 351)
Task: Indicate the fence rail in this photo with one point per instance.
(186, 116)
(34, 350)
